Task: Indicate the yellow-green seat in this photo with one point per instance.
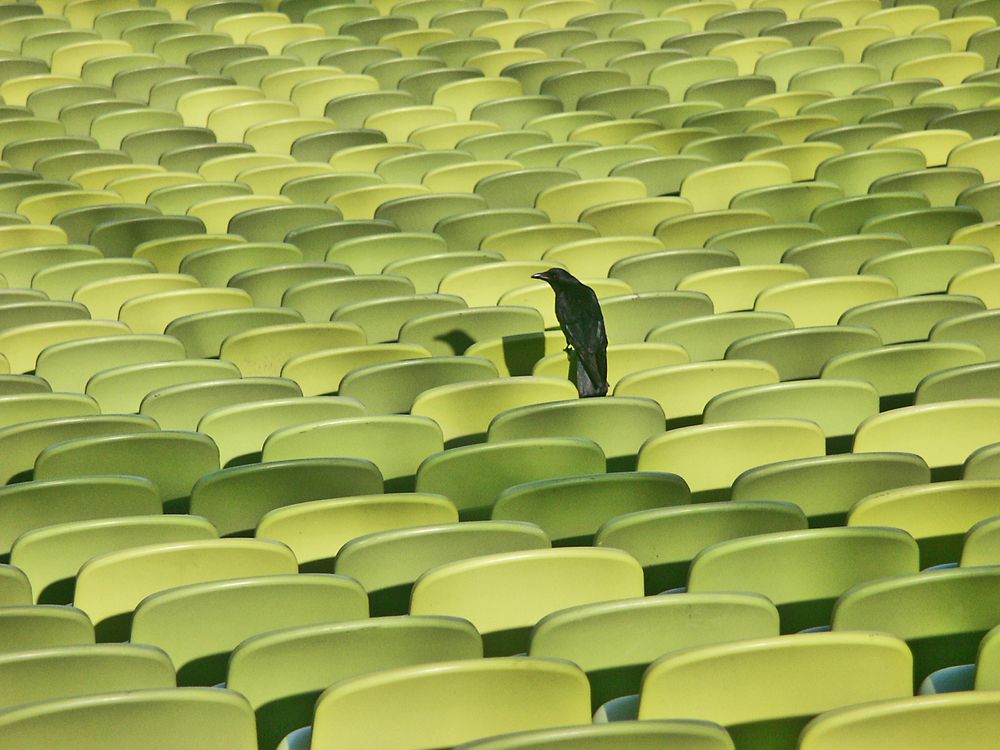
(40, 627)
(181, 406)
(710, 457)
(801, 352)
(707, 337)
(121, 389)
(826, 487)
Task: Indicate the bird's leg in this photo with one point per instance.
(568, 348)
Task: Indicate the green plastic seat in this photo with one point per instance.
(802, 352)
(827, 487)
(956, 608)
(454, 332)
(665, 540)
(282, 673)
(110, 586)
(66, 671)
(240, 608)
(807, 674)
(182, 406)
(69, 365)
(172, 461)
(189, 715)
(943, 434)
(908, 722)
(122, 389)
(235, 499)
(388, 562)
(710, 457)
(560, 578)
(27, 407)
(980, 547)
(52, 555)
(806, 588)
(381, 319)
(937, 516)
(464, 411)
(535, 692)
(707, 338)
(263, 351)
(320, 372)
(957, 383)
(15, 590)
(807, 399)
(629, 319)
(895, 371)
(37, 627)
(914, 318)
(395, 444)
(316, 300)
(570, 510)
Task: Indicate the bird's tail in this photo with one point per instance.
(585, 385)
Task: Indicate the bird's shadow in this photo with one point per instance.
(457, 339)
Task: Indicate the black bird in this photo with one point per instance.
(579, 315)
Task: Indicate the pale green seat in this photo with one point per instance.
(968, 718)
(387, 563)
(448, 333)
(15, 590)
(710, 457)
(571, 510)
(826, 487)
(472, 476)
(317, 300)
(821, 302)
(240, 430)
(215, 266)
(981, 545)
(974, 327)
(959, 383)
(614, 642)
(936, 515)
(735, 289)
(381, 319)
(367, 255)
(20, 444)
(943, 434)
(660, 272)
(110, 586)
(775, 685)
(52, 555)
(942, 614)
(446, 703)
(182, 406)
(235, 499)
(27, 407)
(801, 352)
(391, 388)
(320, 372)
(66, 671)
(174, 620)
(282, 673)
(846, 215)
(524, 587)
(122, 389)
(629, 319)
(464, 410)
(22, 345)
(180, 717)
(13, 385)
(895, 371)
(69, 365)
(982, 463)
(203, 333)
(914, 318)
(837, 406)
(264, 351)
(519, 353)
(34, 627)
(395, 444)
(803, 572)
(172, 460)
(316, 530)
(707, 338)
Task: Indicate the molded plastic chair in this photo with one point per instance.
(282, 673)
(788, 568)
(957, 607)
(710, 457)
(241, 608)
(826, 487)
(559, 579)
(34, 627)
(110, 586)
(806, 674)
(181, 717)
(802, 352)
(914, 318)
(235, 499)
(52, 555)
(937, 515)
(965, 718)
(943, 434)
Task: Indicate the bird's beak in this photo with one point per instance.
(540, 275)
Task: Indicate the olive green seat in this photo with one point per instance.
(707, 337)
(180, 717)
(52, 555)
(775, 685)
(523, 587)
(682, 734)
(36, 627)
(942, 615)
(122, 389)
(914, 318)
(801, 352)
(283, 672)
(239, 609)
(826, 487)
(235, 499)
(182, 406)
(614, 642)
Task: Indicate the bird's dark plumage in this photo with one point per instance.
(579, 315)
